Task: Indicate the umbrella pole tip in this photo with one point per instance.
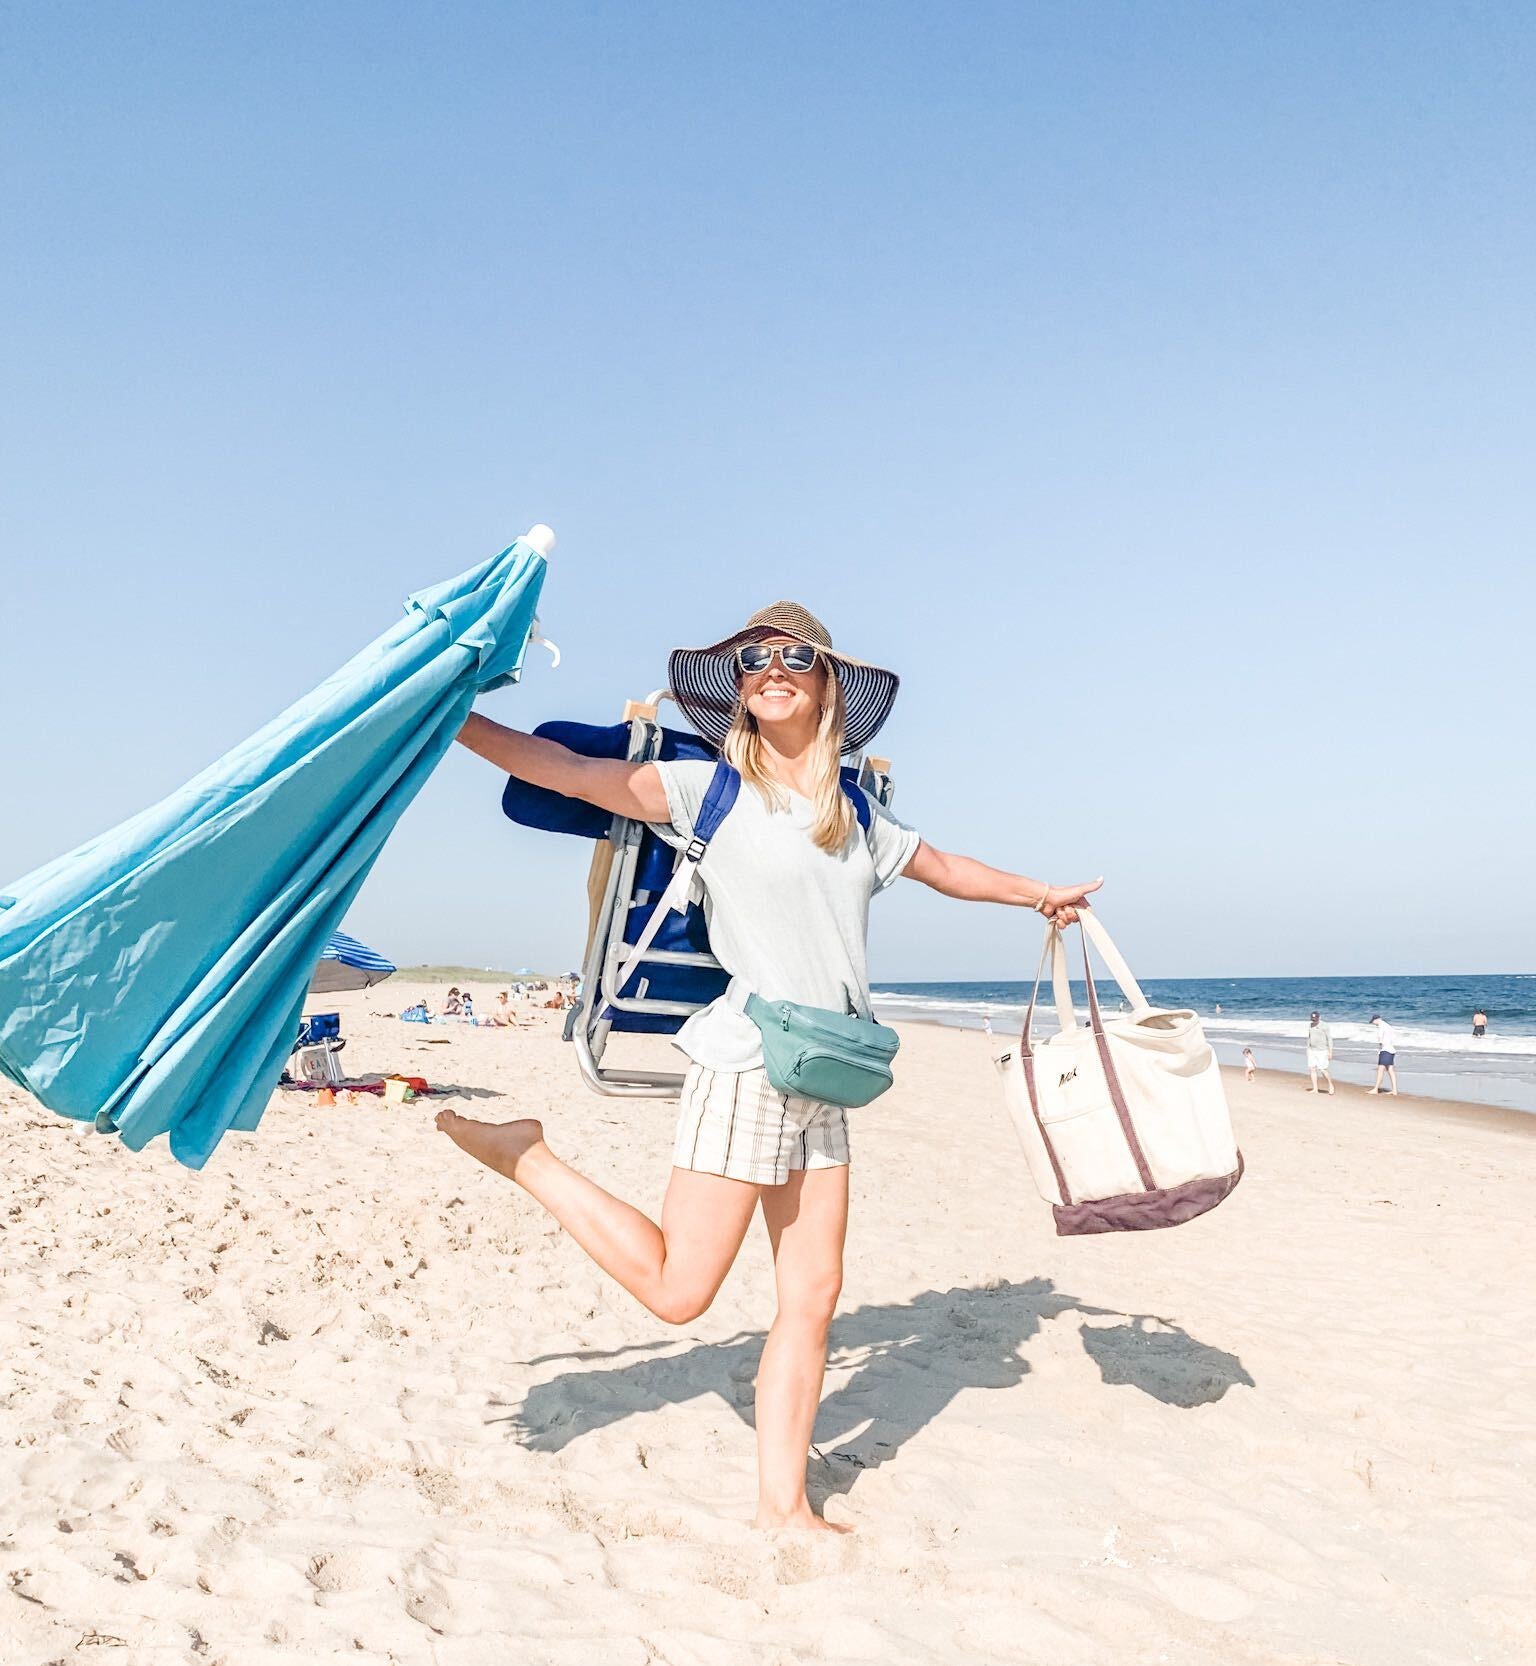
(541, 537)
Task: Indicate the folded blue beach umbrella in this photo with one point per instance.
(347, 964)
(153, 980)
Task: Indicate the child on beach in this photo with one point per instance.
(1250, 1064)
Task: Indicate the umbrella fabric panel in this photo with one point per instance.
(154, 978)
(348, 964)
(347, 951)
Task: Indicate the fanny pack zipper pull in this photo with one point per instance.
(784, 1018)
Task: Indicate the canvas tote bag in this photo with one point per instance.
(1124, 1121)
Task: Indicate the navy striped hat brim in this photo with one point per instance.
(703, 682)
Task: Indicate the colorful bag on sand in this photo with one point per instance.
(1124, 1122)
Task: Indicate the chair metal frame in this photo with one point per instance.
(606, 948)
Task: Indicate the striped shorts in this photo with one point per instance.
(738, 1124)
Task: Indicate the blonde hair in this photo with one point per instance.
(743, 750)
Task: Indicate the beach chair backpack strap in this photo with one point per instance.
(860, 801)
(719, 796)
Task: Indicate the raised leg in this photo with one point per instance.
(675, 1268)
(807, 1221)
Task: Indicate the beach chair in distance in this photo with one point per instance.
(314, 1051)
(677, 975)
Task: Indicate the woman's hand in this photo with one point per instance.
(968, 880)
(1062, 901)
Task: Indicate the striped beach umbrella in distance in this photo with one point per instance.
(348, 964)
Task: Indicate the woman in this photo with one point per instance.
(787, 881)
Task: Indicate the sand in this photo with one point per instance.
(346, 1395)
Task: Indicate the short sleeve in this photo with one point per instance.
(685, 781)
(891, 842)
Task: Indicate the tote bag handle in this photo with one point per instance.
(1061, 986)
(1113, 960)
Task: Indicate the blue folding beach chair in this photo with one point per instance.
(675, 974)
(315, 1048)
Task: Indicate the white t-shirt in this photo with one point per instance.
(787, 919)
(1386, 1038)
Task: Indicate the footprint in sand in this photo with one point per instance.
(360, 1568)
(730, 1574)
(457, 1607)
(744, 1382)
(1200, 1596)
(814, 1556)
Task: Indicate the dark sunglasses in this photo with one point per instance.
(755, 657)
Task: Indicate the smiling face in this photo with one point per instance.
(778, 696)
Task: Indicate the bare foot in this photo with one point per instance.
(798, 1521)
(499, 1145)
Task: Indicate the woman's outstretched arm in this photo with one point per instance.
(610, 783)
(968, 880)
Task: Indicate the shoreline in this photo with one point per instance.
(1438, 1056)
(1480, 1111)
(1465, 1112)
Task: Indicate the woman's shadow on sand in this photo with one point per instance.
(909, 1361)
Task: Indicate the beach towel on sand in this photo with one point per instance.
(153, 979)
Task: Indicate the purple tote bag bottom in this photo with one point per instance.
(1145, 1211)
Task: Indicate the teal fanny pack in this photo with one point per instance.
(816, 1054)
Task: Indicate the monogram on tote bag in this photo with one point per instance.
(1124, 1121)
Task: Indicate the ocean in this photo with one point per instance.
(1436, 1051)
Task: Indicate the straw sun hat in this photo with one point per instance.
(703, 680)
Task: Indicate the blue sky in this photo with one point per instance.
(1150, 385)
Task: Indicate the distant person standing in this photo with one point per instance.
(1250, 1064)
(1319, 1053)
(1386, 1058)
(1479, 1025)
